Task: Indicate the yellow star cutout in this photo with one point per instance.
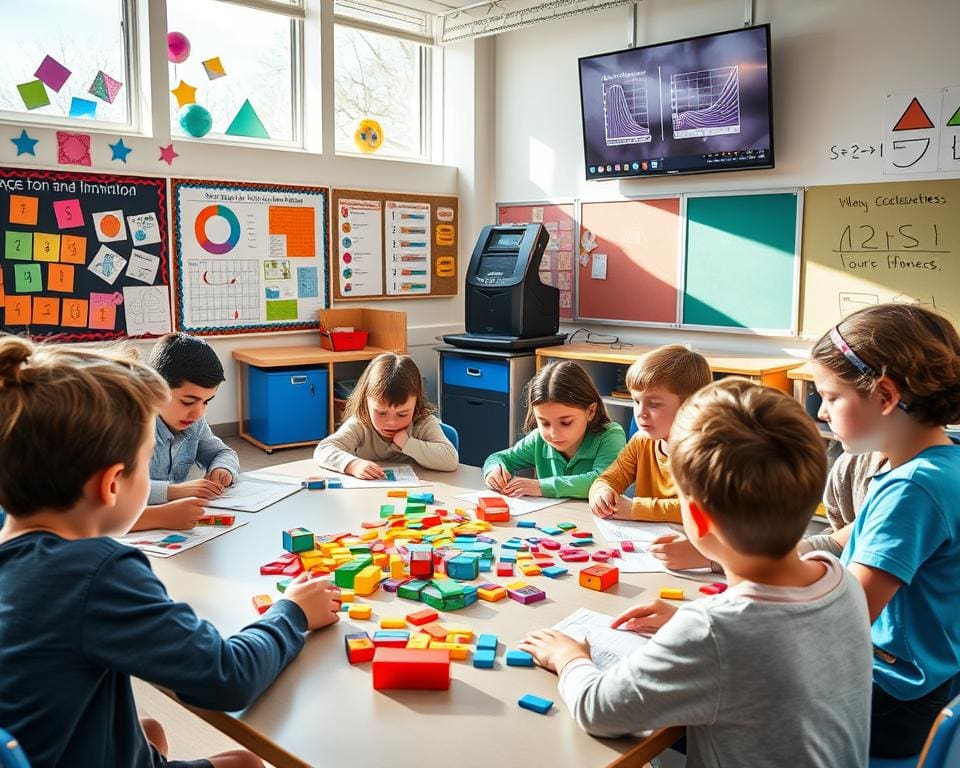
(186, 94)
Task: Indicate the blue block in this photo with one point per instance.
(333, 485)
(463, 567)
(526, 523)
(551, 530)
(508, 557)
(582, 542)
(470, 595)
(486, 565)
(484, 659)
(535, 703)
(487, 643)
(554, 571)
(517, 658)
(420, 498)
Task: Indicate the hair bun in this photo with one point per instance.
(14, 352)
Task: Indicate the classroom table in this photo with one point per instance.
(323, 711)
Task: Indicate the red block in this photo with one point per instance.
(550, 544)
(408, 668)
(582, 534)
(504, 569)
(627, 546)
(423, 617)
(493, 509)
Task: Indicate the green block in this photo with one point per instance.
(283, 584)
(360, 549)
(566, 526)
(415, 509)
(412, 589)
(386, 510)
(448, 588)
(27, 278)
(18, 245)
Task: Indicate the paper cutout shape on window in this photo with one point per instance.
(184, 94)
(247, 123)
(105, 87)
(23, 210)
(109, 226)
(34, 95)
(214, 68)
(46, 310)
(52, 73)
(369, 136)
(82, 107)
(73, 148)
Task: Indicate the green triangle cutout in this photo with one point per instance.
(248, 123)
(954, 122)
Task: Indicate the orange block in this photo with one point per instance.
(23, 210)
(60, 278)
(298, 225)
(46, 311)
(74, 313)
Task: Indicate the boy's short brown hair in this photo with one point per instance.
(65, 414)
(754, 459)
(674, 367)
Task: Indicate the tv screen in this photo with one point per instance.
(688, 106)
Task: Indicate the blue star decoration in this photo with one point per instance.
(25, 144)
(120, 150)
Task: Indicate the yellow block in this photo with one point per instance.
(369, 535)
(346, 595)
(491, 595)
(367, 581)
(397, 570)
(359, 611)
(457, 651)
(419, 642)
(388, 622)
(669, 593)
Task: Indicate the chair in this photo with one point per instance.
(11, 755)
(942, 749)
(451, 434)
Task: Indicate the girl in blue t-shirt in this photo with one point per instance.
(889, 376)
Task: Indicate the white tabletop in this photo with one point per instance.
(324, 711)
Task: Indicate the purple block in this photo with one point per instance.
(52, 73)
(392, 585)
(526, 595)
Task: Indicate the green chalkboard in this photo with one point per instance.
(741, 262)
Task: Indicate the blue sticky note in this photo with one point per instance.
(307, 285)
(82, 107)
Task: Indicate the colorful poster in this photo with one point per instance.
(360, 247)
(407, 237)
(240, 249)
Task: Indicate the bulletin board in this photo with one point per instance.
(867, 244)
(742, 262)
(387, 245)
(248, 257)
(629, 266)
(557, 266)
(84, 255)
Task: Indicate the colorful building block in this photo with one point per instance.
(465, 567)
(283, 584)
(362, 612)
(524, 593)
(670, 593)
(555, 571)
(334, 484)
(716, 588)
(566, 526)
(504, 568)
(419, 498)
(493, 509)
(386, 510)
(458, 651)
(487, 642)
(420, 641)
(217, 520)
(535, 703)
(483, 659)
(392, 622)
(491, 593)
(517, 658)
(573, 556)
(421, 564)
(529, 569)
(419, 618)
(314, 483)
(526, 523)
(391, 638)
(403, 668)
(551, 530)
(628, 546)
(436, 631)
(359, 647)
(582, 542)
(367, 581)
(262, 603)
(398, 493)
(581, 534)
(599, 577)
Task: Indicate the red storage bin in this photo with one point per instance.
(343, 341)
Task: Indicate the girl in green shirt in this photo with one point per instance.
(571, 439)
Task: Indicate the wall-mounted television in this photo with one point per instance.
(689, 106)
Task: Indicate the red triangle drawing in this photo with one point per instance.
(913, 118)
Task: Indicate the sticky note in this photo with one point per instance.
(27, 278)
(16, 310)
(74, 313)
(18, 245)
(34, 95)
(46, 310)
(46, 247)
(103, 311)
(68, 213)
(73, 249)
(2, 294)
(282, 310)
(60, 278)
(23, 210)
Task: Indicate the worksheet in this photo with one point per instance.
(162, 543)
(252, 495)
(641, 534)
(607, 646)
(398, 476)
(522, 506)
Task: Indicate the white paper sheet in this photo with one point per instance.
(404, 477)
(164, 543)
(607, 646)
(252, 495)
(518, 507)
(641, 534)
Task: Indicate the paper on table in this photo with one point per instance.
(164, 543)
(252, 495)
(522, 506)
(404, 477)
(607, 646)
(616, 531)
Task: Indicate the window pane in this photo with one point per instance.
(385, 14)
(85, 38)
(255, 51)
(378, 77)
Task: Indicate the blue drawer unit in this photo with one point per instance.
(287, 405)
(476, 373)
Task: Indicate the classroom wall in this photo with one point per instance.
(455, 172)
(833, 63)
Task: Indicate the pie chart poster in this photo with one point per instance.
(248, 257)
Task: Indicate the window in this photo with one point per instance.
(244, 63)
(86, 79)
(382, 57)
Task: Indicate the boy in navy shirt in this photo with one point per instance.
(81, 613)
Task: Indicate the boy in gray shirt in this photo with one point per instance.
(775, 671)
